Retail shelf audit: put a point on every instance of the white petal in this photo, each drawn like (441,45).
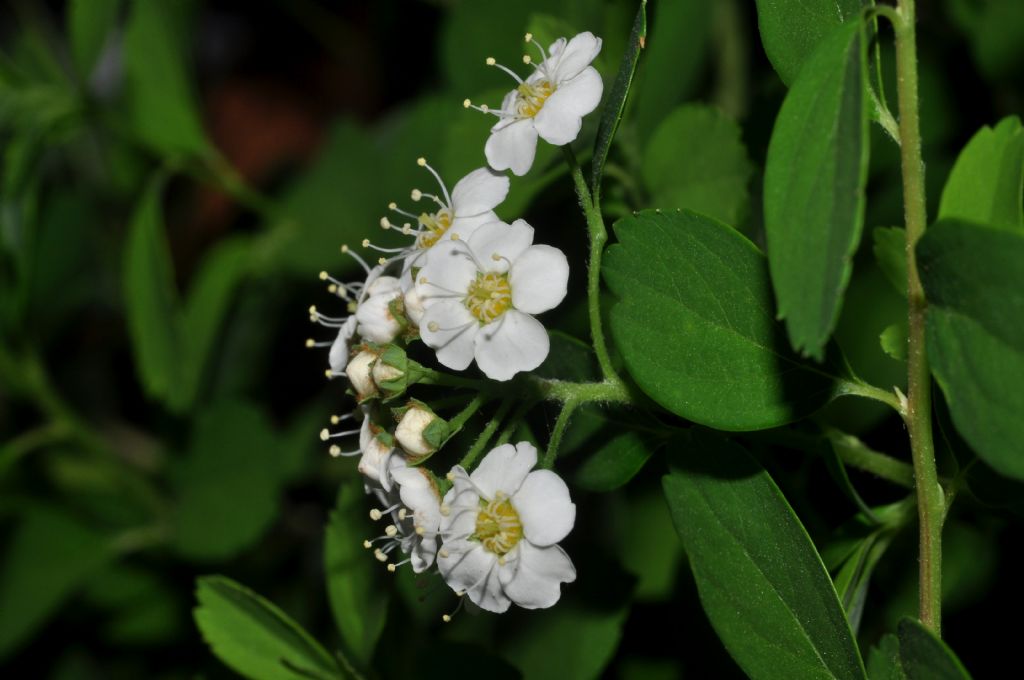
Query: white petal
(449,328)
(577,55)
(515,342)
(376,322)
(555,50)
(383,285)
(447,274)
(512,146)
(544,508)
(539,279)
(465,226)
(508,241)
(504,469)
(374,463)
(337,357)
(560,119)
(478,192)
(471,568)
(533,581)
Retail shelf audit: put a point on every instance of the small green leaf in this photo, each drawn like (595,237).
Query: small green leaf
(615,102)
(972,278)
(792,29)
(255,638)
(151,299)
(890,248)
(926,657)
(695,324)
(161,102)
(616,462)
(228,483)
(814,179)
(894,341)
(206,307)
(884,660)
(696,160)
(987,183)
(855,575)
(90,23)
(583,642)
(760,580)
(50,554)
(358,601)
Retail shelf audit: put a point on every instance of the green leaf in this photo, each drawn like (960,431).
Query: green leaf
(615,102)
(582,641)
(616,462)
(884,660)
(674,61)
(987,182)
(49,555)
(151,299)
(894,341)
(646,547)
(792,29)
(972,277)
(814,179)
(255,638)
(90,23)
(209,299)
(228,483)
(695,324)
(358,601)
(854,576)
(926,657)
(160,99)
(976,271)
(890,248)
(760,580)
(696,160)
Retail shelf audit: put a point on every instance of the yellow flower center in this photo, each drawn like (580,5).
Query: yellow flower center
(436,224)
(530,98)
(489,296)
(497,525)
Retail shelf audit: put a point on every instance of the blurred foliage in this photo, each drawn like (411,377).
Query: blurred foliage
(174,175)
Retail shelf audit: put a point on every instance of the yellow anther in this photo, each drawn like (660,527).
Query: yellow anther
(382,261)
(446,618)
(344,248)
(367,544)
(391,568)
(466,103)
(421,161)
(335,450)
(527,59)
(309,343)
(332,289)
(392,206)
(490,61)
(323,276)
(375,514)
(415,194)
(528,37)
(335,420)
(325,434)
(385,223)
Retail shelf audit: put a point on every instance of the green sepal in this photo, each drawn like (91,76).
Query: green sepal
(437,433)
(386,438)
(395,357)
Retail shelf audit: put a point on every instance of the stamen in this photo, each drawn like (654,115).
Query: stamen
(355,256)
(491,62)
(336,452)
(422,162)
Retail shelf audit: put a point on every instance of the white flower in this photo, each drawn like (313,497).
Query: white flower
(414,505)
(413,302)
(501,527)
(337,356)
(376,322)
(360,374)
(551,103)
(470,204)
(480,294)
(376,456)
(411,429)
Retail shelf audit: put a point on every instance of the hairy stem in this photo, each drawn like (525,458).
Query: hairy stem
(861,389)
(556,434)
(856,454)
(485,435)
(931,502)
(598,238)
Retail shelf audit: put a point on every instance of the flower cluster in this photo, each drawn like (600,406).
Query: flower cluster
(469,287)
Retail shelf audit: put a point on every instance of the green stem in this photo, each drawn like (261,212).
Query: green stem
(460,418)
(861,389)
(609,392)
(855,453)
(432,377)
(485,436)
(517,417)
(931,505)
(598,238)
(556,434)
(31,440)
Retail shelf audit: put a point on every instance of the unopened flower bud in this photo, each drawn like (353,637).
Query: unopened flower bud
(414,305)
(412,429)
(359,372)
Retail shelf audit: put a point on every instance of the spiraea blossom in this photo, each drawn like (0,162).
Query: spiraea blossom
(502,525)
(549,103)
(375,321)
(414,506)
(480,294)
(470,203)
